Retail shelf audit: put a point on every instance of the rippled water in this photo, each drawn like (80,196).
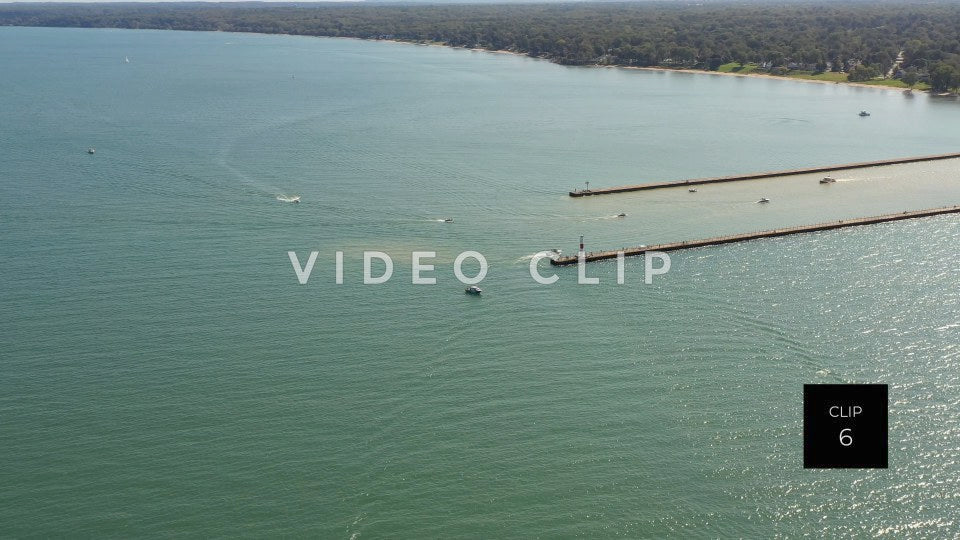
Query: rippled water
(163,372)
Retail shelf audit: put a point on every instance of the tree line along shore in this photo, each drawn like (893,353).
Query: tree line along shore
(890,44)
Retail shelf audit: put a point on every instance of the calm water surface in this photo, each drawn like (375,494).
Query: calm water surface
(164,373)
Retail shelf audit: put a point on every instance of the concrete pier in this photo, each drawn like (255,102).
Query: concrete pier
(756,176)
(689,244)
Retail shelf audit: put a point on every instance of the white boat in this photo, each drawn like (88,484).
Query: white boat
(126,59)
(474,290)
(864,113)
(827,180)
(692,190)
(448,220)
(621,214)
(91,150)
(763,200)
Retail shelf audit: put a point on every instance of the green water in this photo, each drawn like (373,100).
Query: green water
(165,374)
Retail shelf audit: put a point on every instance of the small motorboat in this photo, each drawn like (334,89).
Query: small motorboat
(474,290)
(621,214)
(692,190)
(126,59)
(91,150)
(295,199)
(448,220)
(864,113)
(763,200)
(828,180)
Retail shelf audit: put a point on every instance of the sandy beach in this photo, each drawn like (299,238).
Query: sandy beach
(765,76)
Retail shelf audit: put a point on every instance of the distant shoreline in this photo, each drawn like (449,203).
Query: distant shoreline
(652,68)
(694,71)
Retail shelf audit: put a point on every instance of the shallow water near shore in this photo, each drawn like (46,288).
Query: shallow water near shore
(164,372)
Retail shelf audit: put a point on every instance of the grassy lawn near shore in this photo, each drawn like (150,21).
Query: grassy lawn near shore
(734,67)
(831,76)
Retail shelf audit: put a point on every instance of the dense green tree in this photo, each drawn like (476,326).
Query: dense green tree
(943,77)
(910,77)
(862,73)
(837,64)
(741,55)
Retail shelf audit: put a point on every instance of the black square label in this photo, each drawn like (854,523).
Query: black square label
(844,426)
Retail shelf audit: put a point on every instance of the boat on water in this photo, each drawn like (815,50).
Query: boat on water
(864,113)
(91,150)
(621,214)
(448,220)
(126,59)
(763,200)
(474,290)
(692,190)
(828,180)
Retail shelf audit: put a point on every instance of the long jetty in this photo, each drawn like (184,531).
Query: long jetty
(733,238)
(757,176)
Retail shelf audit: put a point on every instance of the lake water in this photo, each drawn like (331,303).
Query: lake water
(164,372)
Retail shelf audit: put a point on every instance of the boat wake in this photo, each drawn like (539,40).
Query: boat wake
(549,253)
(288,198)
(864,179)
(600,218)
